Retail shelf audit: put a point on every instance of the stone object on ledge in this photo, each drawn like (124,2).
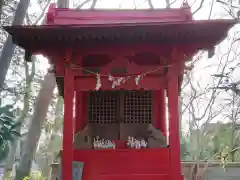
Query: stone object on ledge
(156,138)
(83,139)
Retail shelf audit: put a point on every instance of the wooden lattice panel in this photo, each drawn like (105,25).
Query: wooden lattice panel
(102,107)
(138,107)
(108,107)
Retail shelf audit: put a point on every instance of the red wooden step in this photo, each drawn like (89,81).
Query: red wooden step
(127,163)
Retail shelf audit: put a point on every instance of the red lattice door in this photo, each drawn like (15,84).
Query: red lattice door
(118,114)
(102,114)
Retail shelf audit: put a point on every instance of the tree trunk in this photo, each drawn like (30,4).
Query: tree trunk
(9,47)
(11,158)
(27,93)
(41,107)
(1,8)
(56,126)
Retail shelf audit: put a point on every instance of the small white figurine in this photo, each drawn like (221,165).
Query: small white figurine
(137,144)
(114,145)
(129,141)
(143,143)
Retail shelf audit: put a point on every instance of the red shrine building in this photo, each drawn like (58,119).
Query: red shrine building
(121,71)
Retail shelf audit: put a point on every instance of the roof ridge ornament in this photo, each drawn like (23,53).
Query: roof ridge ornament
(185,5)
(187,8)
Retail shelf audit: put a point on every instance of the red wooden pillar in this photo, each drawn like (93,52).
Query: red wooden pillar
(67,155)
(156,105)
(81,104)
(84,109)
(174,139)
(77,113)
(160,110)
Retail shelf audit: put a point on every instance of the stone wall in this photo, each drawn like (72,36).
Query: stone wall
(214,171)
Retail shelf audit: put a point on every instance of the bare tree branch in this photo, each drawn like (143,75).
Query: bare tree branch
(135,4)
(172,2)
(43,12)
(210,13)
(199,7)
(228,7)
(193,102)
(226,4)
(167,3)
(93,4)
(83,3)
(150,4)
(63,3)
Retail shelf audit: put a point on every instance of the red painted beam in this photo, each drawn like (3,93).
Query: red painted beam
(163,50)
(148,83)
(116,50)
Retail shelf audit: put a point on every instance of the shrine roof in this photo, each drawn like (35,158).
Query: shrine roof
(37,38)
